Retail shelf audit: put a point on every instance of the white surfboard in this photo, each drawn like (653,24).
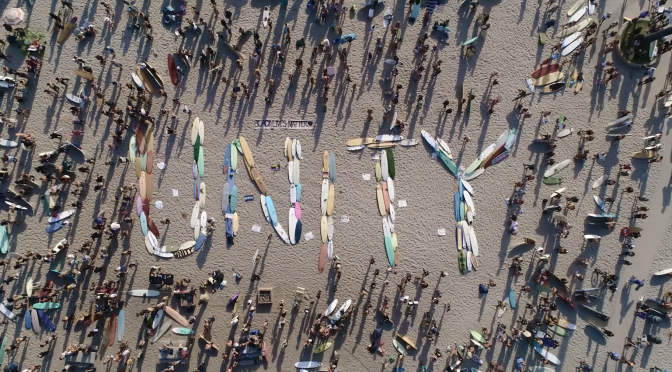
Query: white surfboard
(575,7)
(292,194)
(204,222)
(663,272)
(469,201)
(330,309)
(578,15)
(282,233)
(389,138)
(392,215)
(383,165)
(571,47)
(265,16)
(61,216)
(330,228)
(619,120)
(598,182)
(429,139)
(264,209)
(557,168)
(472,241)
(297,150)
(144,293)
(194,214)
(290,171)
(390,189)
(292,225)
(296,172)
(467,186)
(565,132)
(8,143)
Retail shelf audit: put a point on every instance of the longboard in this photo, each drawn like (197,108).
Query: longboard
(66,31)
(172,70)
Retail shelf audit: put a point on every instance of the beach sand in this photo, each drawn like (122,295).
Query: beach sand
(511,49)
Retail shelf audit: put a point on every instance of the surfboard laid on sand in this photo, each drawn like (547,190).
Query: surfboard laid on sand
(544,70)
(548,355)
(265,16)
(557,168)
(66,31)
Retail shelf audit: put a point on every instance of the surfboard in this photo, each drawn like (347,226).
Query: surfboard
(557,168)
(144,293)
(35,322)
(330,200)
(322,259)
(28,320)
(165,327)
(598,182)
(323,347)
(332,166)
(45,320)
(643,154)
(172,71)
(544,70)
(46,305)
(66,31)
(600,204)
(120,325)
(292,225)
(182,331)
(265,16)
(578,15)
(307,364)
(548,355)
(325,196)
(477,163)
(575,7)
(570,48)
(381,201)
(548,79)
(271,211)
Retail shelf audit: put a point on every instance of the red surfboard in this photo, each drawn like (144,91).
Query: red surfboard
(172,69)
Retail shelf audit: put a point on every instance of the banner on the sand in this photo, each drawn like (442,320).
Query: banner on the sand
(283,124)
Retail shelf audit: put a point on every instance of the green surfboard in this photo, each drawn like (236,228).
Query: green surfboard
(322,348)
(447,162)
(4,240)
(478,337)
(467,42)
(46,305)
(552,180)
(390,163)
(2,349)
(200,163)
(559,330)
(462,260)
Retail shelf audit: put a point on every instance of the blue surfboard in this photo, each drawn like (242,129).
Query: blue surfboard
(271,211)
(229,227)
(456,206)
(28,320)
(512,299)
(298,193)
(46,321)
(54,227)
(297,233)
(199,242)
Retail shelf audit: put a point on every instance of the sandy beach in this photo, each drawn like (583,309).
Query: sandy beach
(511,49)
